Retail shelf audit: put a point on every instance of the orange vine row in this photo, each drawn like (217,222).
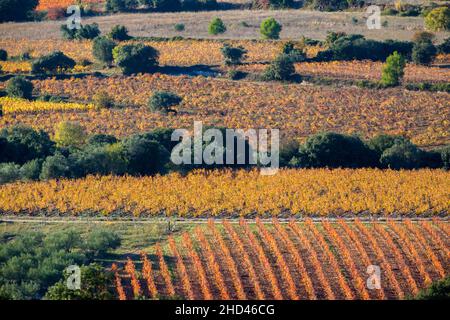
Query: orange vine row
(181,270)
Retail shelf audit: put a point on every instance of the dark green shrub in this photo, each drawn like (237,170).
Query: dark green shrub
(236,75)
(19,87)
(16,10)
(233,55)
(423,52)
(281,4)
(328,5)
(88,32)
(25,144)
(54,62)
(166,5)
(445,156)
(337,150)
(99,241)
(99,139)
(402,155)
(216,27)
(439,290)
(144,156)
(9,172)
(393,70)
(136,58)
(119,33)
(31,170)
(179,27)
(270,29)
(121,5)
(282,68)
(102,49)
(296,55)
(382,142)
(3,55)
(54,167)
(97,284)
(444,47)
(162,101)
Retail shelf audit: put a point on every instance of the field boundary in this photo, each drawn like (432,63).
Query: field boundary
(205,220)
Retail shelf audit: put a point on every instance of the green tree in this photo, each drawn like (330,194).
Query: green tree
(102,49)
(216,26)
(54,167)
(96,284)
(162,101)
(439,290)
(70,134)
(270,29)
(423,52)
(393,70)
(3,55)
(119,33)
(121,5)
(19,87)
(54,62)
(282,68)
(24,144)
(438,19)
(16,10)
(233,55)
(136,58)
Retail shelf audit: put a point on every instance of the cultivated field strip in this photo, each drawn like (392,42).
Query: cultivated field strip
(289,261)
(228,194)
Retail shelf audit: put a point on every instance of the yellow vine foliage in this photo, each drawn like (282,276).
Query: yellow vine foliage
(307,191)
(15,66)
(297,110)
(17,105)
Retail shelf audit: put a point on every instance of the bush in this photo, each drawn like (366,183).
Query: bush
(328,5)
(9,172)
(70,134)
(19,87)
(216,27)
(100,159)
(270,29)
(88,32)
(30,171)
(54,62)
(179,27)
(16,10)
(281,4)
(96,285)
(233,55)
(162,101)
(54,167)
(102,100)
(296,55)
(24,144)
(439,290)
(282,68)
(402,155)
(438,19)
(144,156)
(3,55)
(423,52)
(445,156)
(100,139)
(444,47)
(393,70)
(236,75)
(356,47)
(136,58)
(336,150)
(121,5)
(100,241)
(423,36)
(119,33)
(102,49)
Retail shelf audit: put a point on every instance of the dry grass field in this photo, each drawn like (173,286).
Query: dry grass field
(296,23)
